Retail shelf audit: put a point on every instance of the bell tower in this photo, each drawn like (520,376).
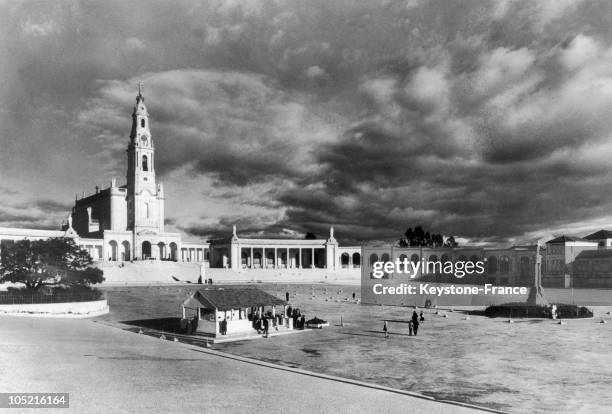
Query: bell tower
(144,196)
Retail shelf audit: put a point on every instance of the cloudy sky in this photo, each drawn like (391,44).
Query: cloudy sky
(489,120)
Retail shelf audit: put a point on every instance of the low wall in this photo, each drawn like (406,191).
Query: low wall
(344,276)
(146,272)
(57,310)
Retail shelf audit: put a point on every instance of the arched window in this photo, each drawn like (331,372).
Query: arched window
(415,258)
(385,258)
(148,210)
(146,250)
(373,259)
(356,260)
(344,259)
(145,164)
(142,123)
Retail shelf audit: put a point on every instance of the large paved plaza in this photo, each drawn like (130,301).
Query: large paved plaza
(108,370)
(527,366)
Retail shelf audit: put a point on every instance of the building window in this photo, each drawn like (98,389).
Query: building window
(492,265)
(145,164)
(504,264)
(142,123)
(385,258)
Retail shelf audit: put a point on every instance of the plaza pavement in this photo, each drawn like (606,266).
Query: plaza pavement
(106,369)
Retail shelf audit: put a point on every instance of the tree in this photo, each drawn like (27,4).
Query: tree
(53,262)
(310,236)
(450,242)
(421,238)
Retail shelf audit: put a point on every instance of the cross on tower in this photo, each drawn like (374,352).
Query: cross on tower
(140,87)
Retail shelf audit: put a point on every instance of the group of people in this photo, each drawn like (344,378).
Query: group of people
(413,324)
(263,323)
(299,320)
(208,281)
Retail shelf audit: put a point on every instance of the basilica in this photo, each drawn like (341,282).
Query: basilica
(127,221)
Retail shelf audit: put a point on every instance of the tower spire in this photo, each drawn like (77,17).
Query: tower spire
(140,88)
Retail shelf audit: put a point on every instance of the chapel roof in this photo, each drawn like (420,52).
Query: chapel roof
(226,298)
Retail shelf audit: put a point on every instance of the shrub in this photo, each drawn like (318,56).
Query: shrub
(522,310)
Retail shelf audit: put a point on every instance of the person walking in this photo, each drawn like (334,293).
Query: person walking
(287,296)
(421,317)
(385,330)
(410,327)
(415,322)
(266,326)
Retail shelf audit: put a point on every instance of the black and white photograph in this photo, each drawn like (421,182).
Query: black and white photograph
(306,206)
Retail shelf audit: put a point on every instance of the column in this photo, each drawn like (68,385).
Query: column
(300,257)
(287,261)
(264,259)
(275,258)
(251,266)
(312,260)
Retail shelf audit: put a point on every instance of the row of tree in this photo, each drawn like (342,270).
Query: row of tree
(421,238)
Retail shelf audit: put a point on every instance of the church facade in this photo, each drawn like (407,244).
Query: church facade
(124,222)
(129,219)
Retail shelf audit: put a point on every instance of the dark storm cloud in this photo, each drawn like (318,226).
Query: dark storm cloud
(53,206)
(488,120)
(17,217)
